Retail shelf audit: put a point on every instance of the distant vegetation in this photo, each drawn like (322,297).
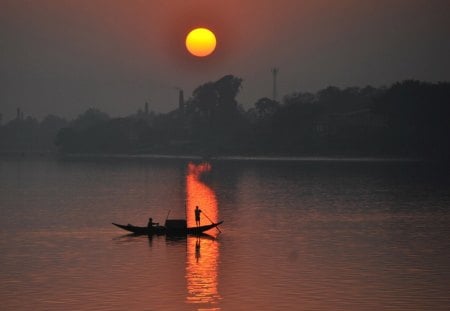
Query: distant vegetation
(409,118)
(28,135)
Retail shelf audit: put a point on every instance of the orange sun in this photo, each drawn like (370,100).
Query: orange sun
(201,42)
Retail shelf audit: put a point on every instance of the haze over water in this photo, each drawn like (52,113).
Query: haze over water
(298,235)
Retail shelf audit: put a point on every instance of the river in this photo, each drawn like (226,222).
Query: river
(298,234)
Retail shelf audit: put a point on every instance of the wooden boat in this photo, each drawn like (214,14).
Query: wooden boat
(201,229)
(142,230)
(171,227)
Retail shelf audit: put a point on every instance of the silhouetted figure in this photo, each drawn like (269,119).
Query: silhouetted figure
(197,216)
(150,223)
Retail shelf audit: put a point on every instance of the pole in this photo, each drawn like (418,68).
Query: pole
(211,221)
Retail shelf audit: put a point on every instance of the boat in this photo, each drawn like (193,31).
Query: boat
(201,229)
(159,230)
(172,227)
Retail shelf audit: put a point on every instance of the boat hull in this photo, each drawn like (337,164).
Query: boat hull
(160,230)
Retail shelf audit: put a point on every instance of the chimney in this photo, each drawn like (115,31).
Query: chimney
(274,73)
(181,100)
(146,108)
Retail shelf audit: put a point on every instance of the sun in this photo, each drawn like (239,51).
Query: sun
(201,42)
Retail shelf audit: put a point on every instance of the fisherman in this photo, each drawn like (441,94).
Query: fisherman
(197,216)
(150,223)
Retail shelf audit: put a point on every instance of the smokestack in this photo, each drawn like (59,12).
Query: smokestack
(181,100)
(146,108)
(274,74)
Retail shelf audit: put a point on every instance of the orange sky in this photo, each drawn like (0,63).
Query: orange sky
(63,56)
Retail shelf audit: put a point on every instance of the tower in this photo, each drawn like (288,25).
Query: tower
(274,75)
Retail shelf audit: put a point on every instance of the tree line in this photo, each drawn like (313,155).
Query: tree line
(28,135)
(409,118)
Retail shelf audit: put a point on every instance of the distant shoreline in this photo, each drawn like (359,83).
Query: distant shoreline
(242,158)
(260,158)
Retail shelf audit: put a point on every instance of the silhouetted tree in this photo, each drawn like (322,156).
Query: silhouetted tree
(409,118)
(81,135)
(214,114)
(89,118)
(265,108)
(48,128)
(418,115)
(294,123)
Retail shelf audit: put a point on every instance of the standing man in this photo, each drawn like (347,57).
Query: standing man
(197,216)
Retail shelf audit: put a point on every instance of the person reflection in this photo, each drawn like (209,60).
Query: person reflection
(197,249)
(202,272)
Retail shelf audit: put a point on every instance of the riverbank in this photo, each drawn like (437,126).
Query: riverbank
(262,158)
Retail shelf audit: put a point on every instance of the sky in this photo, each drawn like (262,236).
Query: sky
(63,56)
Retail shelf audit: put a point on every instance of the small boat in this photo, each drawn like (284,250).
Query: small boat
(171,227)
(201,229)
(159,230)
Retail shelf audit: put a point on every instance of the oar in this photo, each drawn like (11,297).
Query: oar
(217,227)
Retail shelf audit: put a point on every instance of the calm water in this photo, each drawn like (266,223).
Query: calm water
(298,235)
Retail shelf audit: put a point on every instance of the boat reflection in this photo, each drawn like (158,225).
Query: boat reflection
(202,259)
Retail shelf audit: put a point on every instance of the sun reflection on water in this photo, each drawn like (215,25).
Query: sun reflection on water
(202,252)
(199,194)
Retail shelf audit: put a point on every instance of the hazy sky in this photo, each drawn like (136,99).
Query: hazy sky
(64,56)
